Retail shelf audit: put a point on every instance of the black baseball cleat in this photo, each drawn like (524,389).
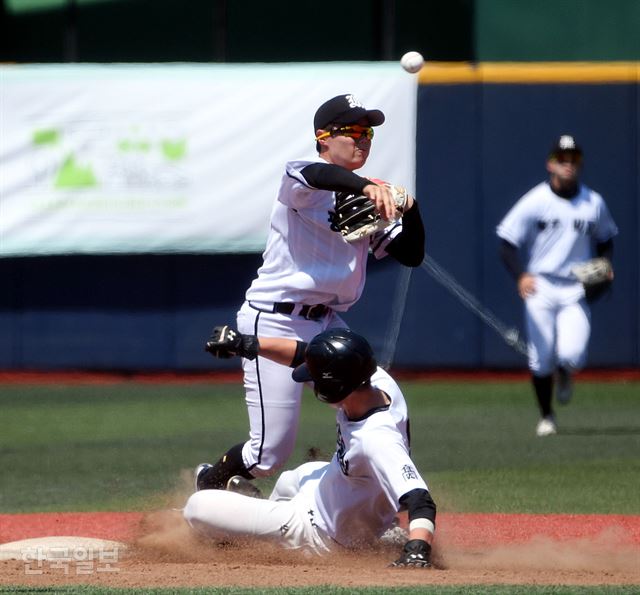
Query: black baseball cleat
(241,485)
(565,386)
(200,472)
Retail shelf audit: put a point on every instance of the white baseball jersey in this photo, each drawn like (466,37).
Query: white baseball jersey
(304,260)
(350,501)
(557,233)
(357,498)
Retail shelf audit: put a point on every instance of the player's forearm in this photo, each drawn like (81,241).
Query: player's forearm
(605,249)
(225,342)
(422,514)
(328,176)
(277,349)
(408,246)
(287,352)
(510,258)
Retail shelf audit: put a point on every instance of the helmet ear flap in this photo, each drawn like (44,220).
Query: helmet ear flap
(331,392)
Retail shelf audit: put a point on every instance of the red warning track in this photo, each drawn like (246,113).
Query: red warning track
(462,529)
(82,377)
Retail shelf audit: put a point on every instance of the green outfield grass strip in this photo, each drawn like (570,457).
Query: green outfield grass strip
(330,590)
(132,446)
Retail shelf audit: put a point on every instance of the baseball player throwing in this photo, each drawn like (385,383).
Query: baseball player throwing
(352,500)
(557,226)
(310,274)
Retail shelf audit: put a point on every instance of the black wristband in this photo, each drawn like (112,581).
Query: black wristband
(249,346)
(417,546)
(298,357)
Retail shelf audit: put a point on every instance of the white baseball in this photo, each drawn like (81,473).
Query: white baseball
(412,61)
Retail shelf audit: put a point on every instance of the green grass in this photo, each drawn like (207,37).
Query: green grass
(130,446)
(476,446)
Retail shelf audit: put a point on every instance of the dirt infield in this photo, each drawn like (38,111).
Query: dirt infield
(470,549)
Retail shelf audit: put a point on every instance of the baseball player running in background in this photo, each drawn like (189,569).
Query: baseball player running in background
(352,500)
(556,226)
(310,274)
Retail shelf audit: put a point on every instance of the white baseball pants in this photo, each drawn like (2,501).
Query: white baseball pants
(272,397)
(286,518)
(558,322)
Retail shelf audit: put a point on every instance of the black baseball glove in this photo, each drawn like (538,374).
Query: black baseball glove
(226,342)
(355,217)
(416,553)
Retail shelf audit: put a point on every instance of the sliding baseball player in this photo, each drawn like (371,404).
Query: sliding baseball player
(352,500)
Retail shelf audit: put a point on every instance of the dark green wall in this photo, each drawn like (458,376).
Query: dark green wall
(233,31)
(557,30)
(290,30)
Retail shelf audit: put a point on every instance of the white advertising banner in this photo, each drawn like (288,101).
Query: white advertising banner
(99,159)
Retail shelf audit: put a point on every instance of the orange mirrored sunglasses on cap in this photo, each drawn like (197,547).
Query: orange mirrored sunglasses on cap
(353,131)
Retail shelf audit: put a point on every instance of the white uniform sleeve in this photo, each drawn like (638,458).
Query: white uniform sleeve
(380,240)
(391,464)
(605,225)
(295,191)
(519,222)
(513,228)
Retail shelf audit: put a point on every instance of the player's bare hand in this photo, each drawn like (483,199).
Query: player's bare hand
(380,195)
(526,285)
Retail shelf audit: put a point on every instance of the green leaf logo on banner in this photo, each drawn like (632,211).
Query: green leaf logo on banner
(47,136)
(174,150)
(72,175)
(126,146)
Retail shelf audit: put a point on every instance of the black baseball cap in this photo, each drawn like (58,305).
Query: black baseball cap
(345,109)
(565,143)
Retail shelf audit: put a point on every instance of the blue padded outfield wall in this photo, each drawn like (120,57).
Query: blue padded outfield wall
(480,147)
(482,139)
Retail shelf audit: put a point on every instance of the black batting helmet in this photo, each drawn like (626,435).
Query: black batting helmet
(337,361)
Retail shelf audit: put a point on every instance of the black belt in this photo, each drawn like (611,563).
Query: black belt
(314,312)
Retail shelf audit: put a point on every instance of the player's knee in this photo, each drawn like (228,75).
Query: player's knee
(286,487)
(290,482)
(207,513)
(541,361)
(573,361)
(542,369)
